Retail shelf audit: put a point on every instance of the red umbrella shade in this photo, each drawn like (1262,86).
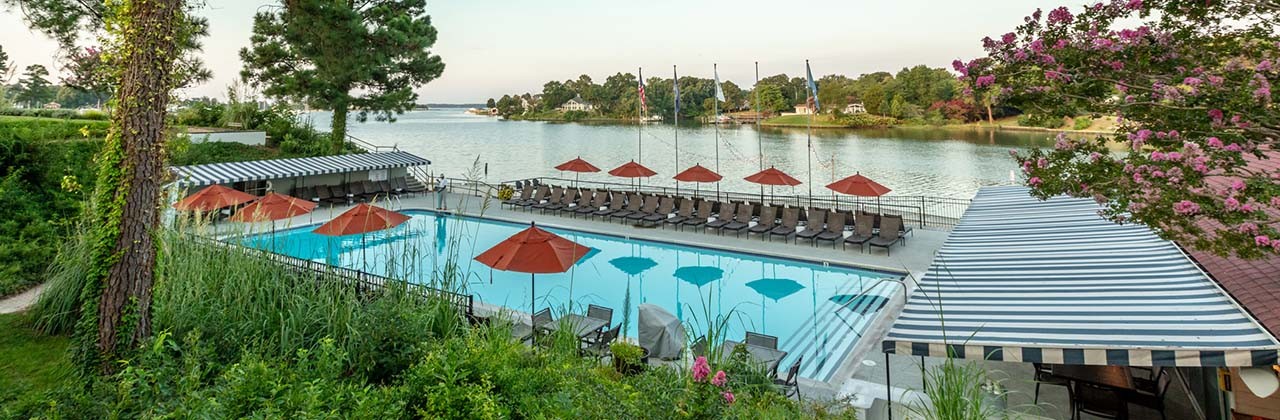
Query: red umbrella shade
(577,165)
(858,185)
(212,198)
(632,170)
(273,207)
(697,173)
(360,219)
(534,250)
(773,176)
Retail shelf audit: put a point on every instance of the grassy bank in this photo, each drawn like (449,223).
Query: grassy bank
(31,364)
(831,121)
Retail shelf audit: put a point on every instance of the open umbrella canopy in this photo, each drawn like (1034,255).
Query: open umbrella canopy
(699,275)
(577,165)
(361,219)
(632,170)
(775,289)
(632,265)
(697,173)
(773,176)
(273,206)
(858,185)
(534,250)
(861,304)
(212,198)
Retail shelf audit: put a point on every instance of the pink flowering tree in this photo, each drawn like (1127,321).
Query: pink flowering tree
(1191,84)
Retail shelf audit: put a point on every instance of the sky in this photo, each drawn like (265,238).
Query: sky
(495,47)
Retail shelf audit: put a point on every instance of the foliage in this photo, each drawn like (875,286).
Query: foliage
(30,364)
(575,115)
(1191,83)
(34,88)
(627,352)
(1082,123)
(771,100)
(368,56)
(44,129)
(1042,121)
(6,67)
(54,113)
(956,392)
(87,71)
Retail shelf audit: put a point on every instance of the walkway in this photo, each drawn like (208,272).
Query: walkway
(21,301)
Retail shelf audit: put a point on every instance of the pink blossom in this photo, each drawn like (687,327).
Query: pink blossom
(984,81)
(1134,5)
(728,397)
(1237,185)
(1174,156)
(1157,174)
(1192,81)
(1216,115)
(1116,65)
(719,379)
(1214,142)
(1060,15)
(1042,162)
(1036,15)
(1102,43)
(1095,156)
(1037,46)
(1233,148)
(1275,201)
(960,67)
(1215,80)
(701,369)
(1262,240)
(1157,156)
(1008,38)
(1248,208)
(1062,43)
(1247,228)
(1263,93)
(1020,55)
(1264,65)
(1034,181)
(1231,203)
(1186,208)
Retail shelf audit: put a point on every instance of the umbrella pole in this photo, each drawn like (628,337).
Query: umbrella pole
(532,297)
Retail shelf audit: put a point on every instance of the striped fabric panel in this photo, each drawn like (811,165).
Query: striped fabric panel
(1021,279)
(231,172)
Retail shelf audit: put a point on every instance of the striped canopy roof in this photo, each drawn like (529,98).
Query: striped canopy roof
(1025,280)
(226,173)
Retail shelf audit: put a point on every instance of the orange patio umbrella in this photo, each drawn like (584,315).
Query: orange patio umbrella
(533,251)
(273,206)
(860,186)
(698,173)
(212,198)
(361,219)
(632,170)
(772,177)
(577,166)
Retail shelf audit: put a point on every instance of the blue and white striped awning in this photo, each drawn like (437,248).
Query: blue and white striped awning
(1025,280)
(258,170)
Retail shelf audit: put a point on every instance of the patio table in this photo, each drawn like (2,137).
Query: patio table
(1116,377)
(766,356)
(579,325)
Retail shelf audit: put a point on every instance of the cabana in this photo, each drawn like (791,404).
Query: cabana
(285,175)
(1050,282)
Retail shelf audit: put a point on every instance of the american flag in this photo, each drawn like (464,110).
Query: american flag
(643,100)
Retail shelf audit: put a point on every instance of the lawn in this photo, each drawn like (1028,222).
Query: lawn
(30,363)
(803,120)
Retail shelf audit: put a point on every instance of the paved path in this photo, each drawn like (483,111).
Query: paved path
(22,301)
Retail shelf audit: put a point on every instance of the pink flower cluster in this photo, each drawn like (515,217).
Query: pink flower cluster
(984,81)
(1061,16)
(1186,208)
(701,369)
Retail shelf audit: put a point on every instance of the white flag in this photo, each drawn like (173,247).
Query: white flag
(719,92)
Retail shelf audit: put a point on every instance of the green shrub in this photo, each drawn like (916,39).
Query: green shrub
(55,113)
(867,121)
(1082,123)
(1041,120)
(575,115)
(42,129)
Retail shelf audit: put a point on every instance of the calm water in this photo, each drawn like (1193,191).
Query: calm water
(816,310)
(911,161)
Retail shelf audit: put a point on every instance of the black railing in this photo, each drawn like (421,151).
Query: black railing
(370,147)
(923,211)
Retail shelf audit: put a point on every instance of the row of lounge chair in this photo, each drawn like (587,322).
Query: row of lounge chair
(768,221)
(357,191)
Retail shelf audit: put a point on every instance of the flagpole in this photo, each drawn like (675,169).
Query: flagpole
(639,118)
(759,144)
(675,85)
(809,135)
(715,119)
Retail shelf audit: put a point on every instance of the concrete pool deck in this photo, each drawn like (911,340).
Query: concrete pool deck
(911,259)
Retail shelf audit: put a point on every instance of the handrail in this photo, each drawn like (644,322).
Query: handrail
(370,147)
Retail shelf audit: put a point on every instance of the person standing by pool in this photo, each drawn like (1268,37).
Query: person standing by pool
(441,185)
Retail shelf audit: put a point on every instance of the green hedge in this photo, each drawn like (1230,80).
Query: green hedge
(43,128)
(55,113)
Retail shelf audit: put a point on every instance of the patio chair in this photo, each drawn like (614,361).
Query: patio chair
(1044,376)
(768,219)
(863,231)
(369,190)
(791,384)
(522,332)
(597,201)
(557,194)
(338,195)
(650,206)
(724,217)
(813,225)
(1150,393)
(903,229)
(699,219)
(741,221)
(1099,402)
(585,197)
(387,189)
(599,348)
(525,195)
(634,202)
(309,194)
(539,195)
(888,236)
(600,313)
(616,203)
(835,229)
(762,340)
(566,200)
(699,347)
(541,320)
(790,218)
(665,207)
(399,185)
(684,213)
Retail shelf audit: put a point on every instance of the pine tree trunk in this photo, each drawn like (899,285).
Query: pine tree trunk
(128,202)
(338,128)
(989,119)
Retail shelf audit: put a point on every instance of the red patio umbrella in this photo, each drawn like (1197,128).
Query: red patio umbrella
(533,251)
(632,170)
(273,206)
(361,219)
(578,166)
(860,186)
(772,177)
(699,174)
(212,198)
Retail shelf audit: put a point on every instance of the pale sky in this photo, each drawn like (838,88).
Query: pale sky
(496,47)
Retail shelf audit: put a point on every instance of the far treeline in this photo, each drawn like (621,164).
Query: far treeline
(920,94)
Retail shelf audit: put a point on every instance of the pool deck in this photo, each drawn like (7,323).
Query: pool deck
(912,259)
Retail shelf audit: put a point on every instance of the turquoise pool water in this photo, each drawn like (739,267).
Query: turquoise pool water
(816,310)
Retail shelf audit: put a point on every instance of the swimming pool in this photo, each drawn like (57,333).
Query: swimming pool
(819,311)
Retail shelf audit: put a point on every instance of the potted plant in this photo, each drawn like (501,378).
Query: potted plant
(628,359)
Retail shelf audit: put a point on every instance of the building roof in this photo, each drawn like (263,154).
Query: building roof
(258,170)
(578,99)
(1021,279)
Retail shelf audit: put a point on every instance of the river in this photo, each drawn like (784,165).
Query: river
(910,161)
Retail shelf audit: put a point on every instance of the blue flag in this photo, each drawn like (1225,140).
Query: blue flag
(813,87)
(675,82)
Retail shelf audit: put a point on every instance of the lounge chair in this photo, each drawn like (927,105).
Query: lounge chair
(650,206)
(387,189)
(813,226)
(835,229)
(597,201)
(557,194)
(399,185)
(570,195)
(762,340)
(791,384)
(903,230)
(538,195)
(724,217)
(616,203)
(699,219)
(684,213)
(889,235)
(768,219)
(665,207)
(309,194)
(740,222)
(525,195)
(790,218)
(863,231)
(634,202)
(338,195)
(372,190)
(584,201)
